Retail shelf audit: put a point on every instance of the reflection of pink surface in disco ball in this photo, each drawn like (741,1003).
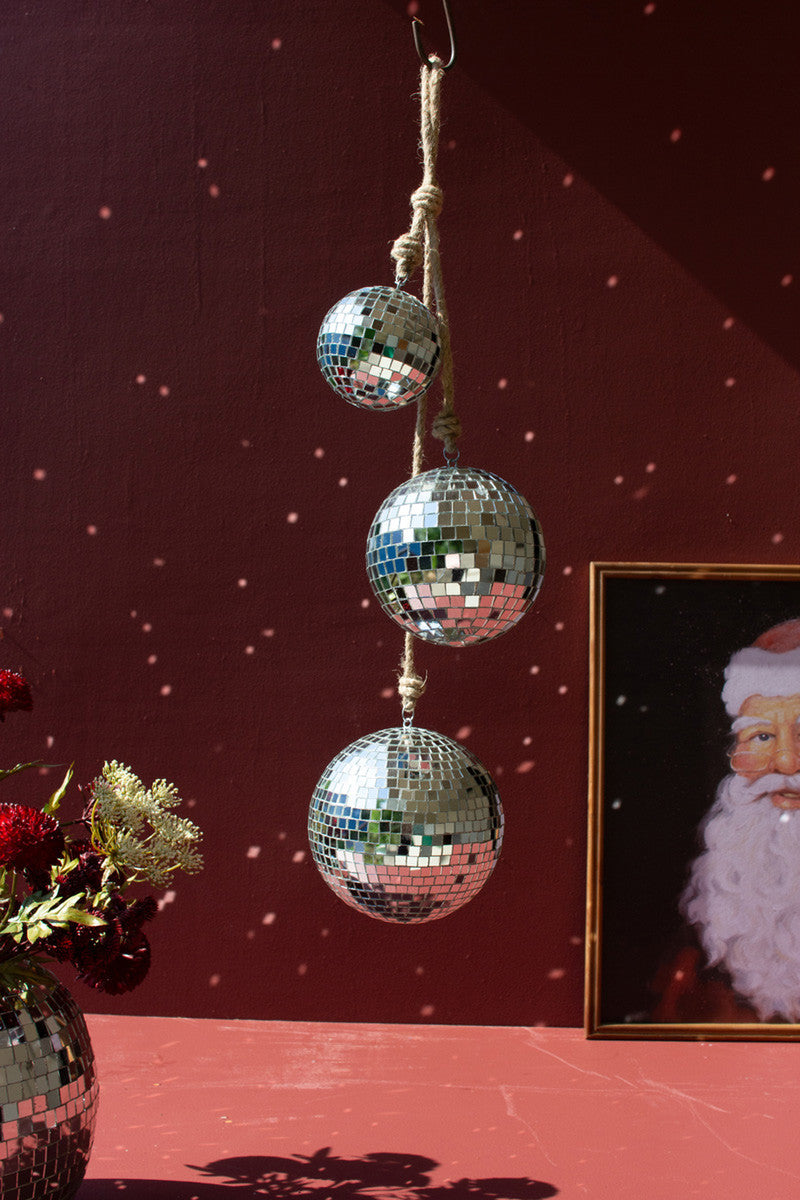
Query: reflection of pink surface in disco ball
(455,555)
(379,348)
(405,825)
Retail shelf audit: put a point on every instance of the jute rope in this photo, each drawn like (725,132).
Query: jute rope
(421,245)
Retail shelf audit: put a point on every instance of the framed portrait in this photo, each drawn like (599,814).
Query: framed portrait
(693,907)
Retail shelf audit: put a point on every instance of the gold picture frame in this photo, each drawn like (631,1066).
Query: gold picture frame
(665,638)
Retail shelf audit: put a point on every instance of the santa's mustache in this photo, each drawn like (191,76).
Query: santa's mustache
(756,789)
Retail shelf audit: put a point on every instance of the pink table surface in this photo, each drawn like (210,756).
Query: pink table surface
(214,1109)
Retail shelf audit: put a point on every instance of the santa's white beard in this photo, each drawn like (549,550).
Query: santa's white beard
(743,893)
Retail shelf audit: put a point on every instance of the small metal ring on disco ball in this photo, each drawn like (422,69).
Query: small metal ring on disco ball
(379,348)
(405,825)
(455,555)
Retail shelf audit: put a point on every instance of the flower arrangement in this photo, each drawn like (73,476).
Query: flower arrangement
(63,885)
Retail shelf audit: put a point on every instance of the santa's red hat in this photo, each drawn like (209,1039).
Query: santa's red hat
(770,667)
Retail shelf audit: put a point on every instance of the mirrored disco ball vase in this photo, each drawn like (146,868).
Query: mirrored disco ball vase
(455,556)
(405,825)
(379,348)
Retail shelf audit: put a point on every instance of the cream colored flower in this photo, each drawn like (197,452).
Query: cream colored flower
(137,830)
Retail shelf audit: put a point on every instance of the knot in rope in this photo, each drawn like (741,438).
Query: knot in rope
(428,200)
(408,252)
(446,427)
(410,687)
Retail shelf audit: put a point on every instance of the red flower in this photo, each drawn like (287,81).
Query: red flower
(29,840)
(15,693)
(114,957)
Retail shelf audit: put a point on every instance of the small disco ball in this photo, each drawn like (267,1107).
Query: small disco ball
(405,825)
(379,348)
(455,556)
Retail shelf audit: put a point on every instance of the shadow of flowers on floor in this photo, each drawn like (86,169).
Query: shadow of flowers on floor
(372,1177)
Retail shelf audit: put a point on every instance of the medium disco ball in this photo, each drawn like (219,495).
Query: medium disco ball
(405,825)
(379,348)
(455,555)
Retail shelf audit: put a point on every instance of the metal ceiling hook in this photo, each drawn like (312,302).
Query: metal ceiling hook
(423,57)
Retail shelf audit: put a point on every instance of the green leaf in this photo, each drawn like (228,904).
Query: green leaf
(55,800)
(20,767)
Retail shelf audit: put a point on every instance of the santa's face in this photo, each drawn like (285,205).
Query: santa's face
(768,744)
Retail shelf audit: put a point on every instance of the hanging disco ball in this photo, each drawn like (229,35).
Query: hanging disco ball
(405,825)
(379,348)
(455,556)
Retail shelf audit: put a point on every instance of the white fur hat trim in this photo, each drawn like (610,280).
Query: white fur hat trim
(756,672)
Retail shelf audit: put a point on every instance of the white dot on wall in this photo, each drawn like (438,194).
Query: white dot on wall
(276,43)
(787,280)
(253,851)
(559,625)
(524,767)
(651,466)
(268,918)
(343,481)
(214,980)
(616,804)
(728,323)
(463,733)
(202,163)
(319,452)
(562,691)
(105,212)
(612,281)
(152,659)
(365,603)
(166,689)
(502,384)
(268,633)
(649,9)
(730,382)
(556,973)
(427,1010)
(249,649)
(732,479)
(159,562)
(567,571)
(302,969)
(621,700)
(675,136)
(535,670)
(213,191)
(50,741)
(387,693)
(518,235)
(140,379)
(527,741)
(618,479)
(163,390)
(777,538)
(167,898)
(40,474)
(245,443)
(8,613)
(568,179)
(767,174)
(292,518)
(299,856)
(147,627)
(242,583)
(91,530)
(530,435)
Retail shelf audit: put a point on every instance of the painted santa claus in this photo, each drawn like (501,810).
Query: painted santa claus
(742,900)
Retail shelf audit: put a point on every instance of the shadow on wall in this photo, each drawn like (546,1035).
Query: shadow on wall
(321,1174)
(684,116)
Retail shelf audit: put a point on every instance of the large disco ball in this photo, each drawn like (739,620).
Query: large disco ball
(379,348)
(455,555)
(405,825)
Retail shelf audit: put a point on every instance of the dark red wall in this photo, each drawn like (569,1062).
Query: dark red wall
(187,187)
